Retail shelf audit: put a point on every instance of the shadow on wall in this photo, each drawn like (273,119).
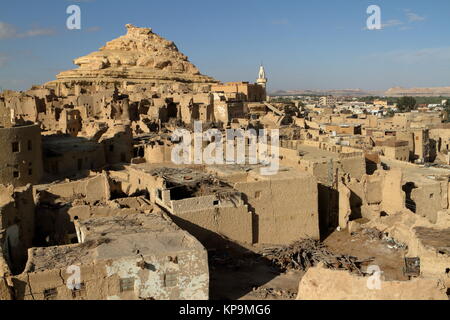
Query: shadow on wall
(409,202)
(54,226)
(355,204)
(255,219)
(328,210)
(232,273)
(371,167)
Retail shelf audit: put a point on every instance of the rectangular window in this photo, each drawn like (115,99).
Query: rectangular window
(159,194)
(30,145)
(30,172)
(15,147)
(126,284)
(16,174)
(170,280)
(257,194)
(50,294)
(79,292)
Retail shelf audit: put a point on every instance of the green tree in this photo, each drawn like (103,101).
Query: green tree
(390,113)
(406,104)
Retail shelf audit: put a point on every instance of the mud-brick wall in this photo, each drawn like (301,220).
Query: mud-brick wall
(17,219)
(101,280)
(204,203)
(355,166)
(234,223)
(285,210)
(95,188)
(21,160)
(430,199)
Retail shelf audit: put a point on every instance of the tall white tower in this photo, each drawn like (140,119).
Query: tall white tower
(262,80)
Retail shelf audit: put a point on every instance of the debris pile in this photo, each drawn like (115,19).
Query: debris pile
(266,293)
(308,253)
(374,234)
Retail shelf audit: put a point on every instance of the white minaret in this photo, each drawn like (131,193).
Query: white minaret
(262,80)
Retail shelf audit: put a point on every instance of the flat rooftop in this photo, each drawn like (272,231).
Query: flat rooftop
(53,145)
(114,237)
(315,154)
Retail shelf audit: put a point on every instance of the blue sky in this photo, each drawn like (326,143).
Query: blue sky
(303,44)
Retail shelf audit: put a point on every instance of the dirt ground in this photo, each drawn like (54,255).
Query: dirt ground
(245,275)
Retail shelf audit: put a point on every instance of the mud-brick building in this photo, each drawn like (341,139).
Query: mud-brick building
(127,257)
(21,160)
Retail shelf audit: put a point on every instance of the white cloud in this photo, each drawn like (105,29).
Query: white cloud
(413,17)
(8,31)
(391,23)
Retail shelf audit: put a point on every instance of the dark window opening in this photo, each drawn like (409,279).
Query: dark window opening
(170,280)
(126,284)
(79,292)
(16,174)
(50,294)
(216,202)
(172,110)
(181,192)
(30,146)
(159,194)
(15,147)
(409,202)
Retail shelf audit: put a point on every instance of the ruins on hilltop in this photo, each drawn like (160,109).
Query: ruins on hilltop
(139,57)
(88,182)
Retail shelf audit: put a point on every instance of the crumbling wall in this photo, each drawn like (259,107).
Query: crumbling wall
(234,223)
(320,283)
(157,153)
(285,209)
(345,209)
(5,290)
(393,196)
(118,144)
(16,225)
(425,240)
(101,280)
(430,199)
(134,257)
(21,160)
(354,166)
(91,189)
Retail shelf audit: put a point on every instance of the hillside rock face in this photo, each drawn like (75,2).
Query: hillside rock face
(418,92)
(140,56)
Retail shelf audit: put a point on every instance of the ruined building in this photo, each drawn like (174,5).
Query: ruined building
(93,206)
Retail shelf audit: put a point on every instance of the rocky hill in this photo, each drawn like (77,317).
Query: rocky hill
(139,56)
(418,92)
